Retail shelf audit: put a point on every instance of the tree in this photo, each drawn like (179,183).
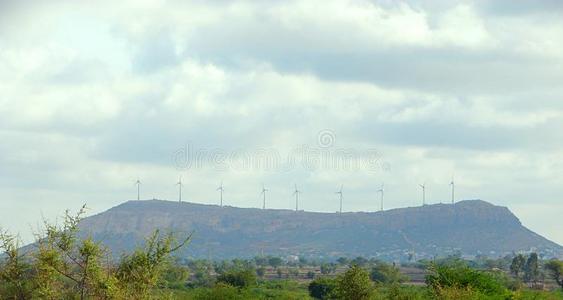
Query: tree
(202,274)
(359,261)
(260,261)
(63,260)
(322,288)
(531,269)
(66,265)
(176,275)
(343,261)
(328,268)
(555,268)
(138,273)
(275,262)
(14,270)
(261,271)
(517,265)
(311,275)
(238,278)
(443,277)
(354,284)
(385,273)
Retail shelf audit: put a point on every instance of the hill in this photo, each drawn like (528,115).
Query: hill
(470,227)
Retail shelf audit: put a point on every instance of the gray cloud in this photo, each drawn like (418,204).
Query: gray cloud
(435,87)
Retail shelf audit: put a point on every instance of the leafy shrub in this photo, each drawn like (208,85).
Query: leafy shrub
(220,291)
(310,275)
(322,288)
(461,279)
(238,278)
(328,268)
(354,284)
(175,276)
(399,292)
(261,271)
(385,273)
(555,269)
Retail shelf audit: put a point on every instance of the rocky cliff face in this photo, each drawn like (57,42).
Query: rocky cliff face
(468,226)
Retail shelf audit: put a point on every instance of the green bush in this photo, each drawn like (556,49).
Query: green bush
(462,279)
(385,273)
(354,284)
(238,278)
(322,288)
(400,292)
(261,271)
(311,275)
(220,291)
(555,270)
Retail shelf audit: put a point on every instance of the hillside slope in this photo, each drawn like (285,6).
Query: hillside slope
(471,227)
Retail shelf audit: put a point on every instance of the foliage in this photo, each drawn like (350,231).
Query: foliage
(238,278)
(138,273)
(354,284)
(15,270)
(220,291)
(359,261)
(311,275)
(202,274)
(531,269)
(175,275)
(261,271)
(400,292)
(328,268)
(461,279)
(66,266)
(275,261)
(555,269)
(322,288)
(343,261)
(386,273)
(517,265)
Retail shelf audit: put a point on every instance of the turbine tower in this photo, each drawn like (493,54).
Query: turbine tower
(138,183)
(423,186)
(179,184)
(453,190)
(340,193)
(296,193)
(264,190)
(382,191)
(221,189)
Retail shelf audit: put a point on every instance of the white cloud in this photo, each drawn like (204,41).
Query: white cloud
(92,98)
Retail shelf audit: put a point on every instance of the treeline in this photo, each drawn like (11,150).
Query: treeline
(446,279)
(61,265)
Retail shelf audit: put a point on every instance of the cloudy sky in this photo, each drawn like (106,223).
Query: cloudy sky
(313,93)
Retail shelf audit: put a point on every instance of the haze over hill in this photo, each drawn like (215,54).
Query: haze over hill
(471,227)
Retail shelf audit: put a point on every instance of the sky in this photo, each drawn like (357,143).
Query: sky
(316,94)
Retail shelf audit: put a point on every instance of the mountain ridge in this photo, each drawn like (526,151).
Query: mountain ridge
(470,227)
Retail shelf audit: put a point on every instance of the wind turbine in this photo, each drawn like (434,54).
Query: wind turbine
(221,189)
(382,191)
(423,186)
(264,190)
(453,189)
(296,193)
(179,184)
(138,183)
(340,193)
